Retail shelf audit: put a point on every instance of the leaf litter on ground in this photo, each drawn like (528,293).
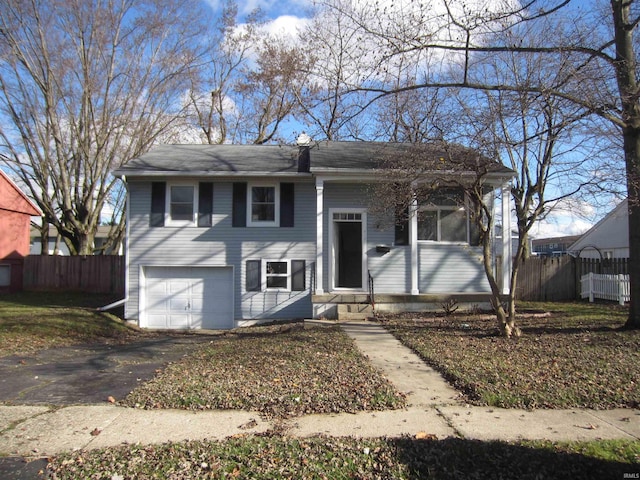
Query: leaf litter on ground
(277,457)
(278,371)
(574,356)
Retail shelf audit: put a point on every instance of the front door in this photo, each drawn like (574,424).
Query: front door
(347,250)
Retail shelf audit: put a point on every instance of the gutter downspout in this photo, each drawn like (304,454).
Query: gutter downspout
(113,305)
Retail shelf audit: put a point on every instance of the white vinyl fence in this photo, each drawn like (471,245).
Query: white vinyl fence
(606,287)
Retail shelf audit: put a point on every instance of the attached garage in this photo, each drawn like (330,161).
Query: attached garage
(187,298)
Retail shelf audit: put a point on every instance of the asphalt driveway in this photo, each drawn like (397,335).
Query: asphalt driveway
(90,373)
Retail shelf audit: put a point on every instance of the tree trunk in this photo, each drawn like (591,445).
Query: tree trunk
(632,156)
(44,238)
(626,67)
(506,319)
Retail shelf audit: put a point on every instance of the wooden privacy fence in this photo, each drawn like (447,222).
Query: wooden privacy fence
(539,278)
(606,287)
(609,266)
(91,274)
(559,278)
(547,279)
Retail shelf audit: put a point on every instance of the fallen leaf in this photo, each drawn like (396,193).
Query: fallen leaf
(425,436)
(250,424)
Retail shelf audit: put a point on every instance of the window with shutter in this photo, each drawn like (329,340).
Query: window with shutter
(275,275)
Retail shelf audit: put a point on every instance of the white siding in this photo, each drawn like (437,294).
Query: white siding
(610,236)
(391,271)
(446,268)
(224,245)
(443,268)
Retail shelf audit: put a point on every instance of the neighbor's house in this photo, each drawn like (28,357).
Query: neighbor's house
(609,238)
(56,245)
(16,210)
(220,236)
(553,246)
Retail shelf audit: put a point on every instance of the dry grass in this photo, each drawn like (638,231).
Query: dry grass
(35,321)
(280,374)
(576,356)
(273,457)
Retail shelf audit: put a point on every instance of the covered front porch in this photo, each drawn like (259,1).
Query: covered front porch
(350,306)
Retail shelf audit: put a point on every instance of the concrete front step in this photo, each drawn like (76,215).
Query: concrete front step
(354,311)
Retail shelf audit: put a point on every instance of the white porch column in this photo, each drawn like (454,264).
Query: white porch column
(319,234)
(413,242)
(507,254)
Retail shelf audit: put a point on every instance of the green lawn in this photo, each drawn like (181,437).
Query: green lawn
(34,321)
(576,356)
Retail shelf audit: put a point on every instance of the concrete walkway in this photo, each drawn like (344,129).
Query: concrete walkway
(434,408)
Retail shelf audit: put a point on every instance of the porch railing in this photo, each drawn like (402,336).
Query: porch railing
(606,287)
(372,300)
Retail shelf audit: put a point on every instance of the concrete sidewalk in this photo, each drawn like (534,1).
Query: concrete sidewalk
(434,408)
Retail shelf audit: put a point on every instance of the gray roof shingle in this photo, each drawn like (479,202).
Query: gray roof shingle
(338,157)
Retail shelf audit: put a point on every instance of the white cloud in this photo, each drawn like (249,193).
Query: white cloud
(286,26)
(560,226)
(567,217)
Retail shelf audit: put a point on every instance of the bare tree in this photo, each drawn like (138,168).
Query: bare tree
(335,59)
(596,44)
(212,107)
(84,87)
(249,83)
(267,90)
(442,173)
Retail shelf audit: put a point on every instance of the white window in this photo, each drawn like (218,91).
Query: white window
(277,275)
(182,204)
(263,205)
(5,275)
(442,217)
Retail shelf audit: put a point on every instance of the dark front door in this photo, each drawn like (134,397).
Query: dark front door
(348,254)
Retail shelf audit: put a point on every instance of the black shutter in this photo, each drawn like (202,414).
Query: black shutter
(253,281)
(297,275)
(205,204)
(286,204)
(158,196)
(402,228)
(239,215)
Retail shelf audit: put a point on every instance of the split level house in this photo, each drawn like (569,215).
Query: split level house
(220,236)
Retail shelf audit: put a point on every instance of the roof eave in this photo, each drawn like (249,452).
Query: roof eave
(203,173)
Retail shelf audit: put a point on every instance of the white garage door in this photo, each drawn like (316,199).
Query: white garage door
(188,297)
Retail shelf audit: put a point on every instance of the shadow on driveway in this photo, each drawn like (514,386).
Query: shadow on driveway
(89,373)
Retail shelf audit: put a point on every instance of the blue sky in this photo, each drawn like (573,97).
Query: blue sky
(271,8)
(569,218)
